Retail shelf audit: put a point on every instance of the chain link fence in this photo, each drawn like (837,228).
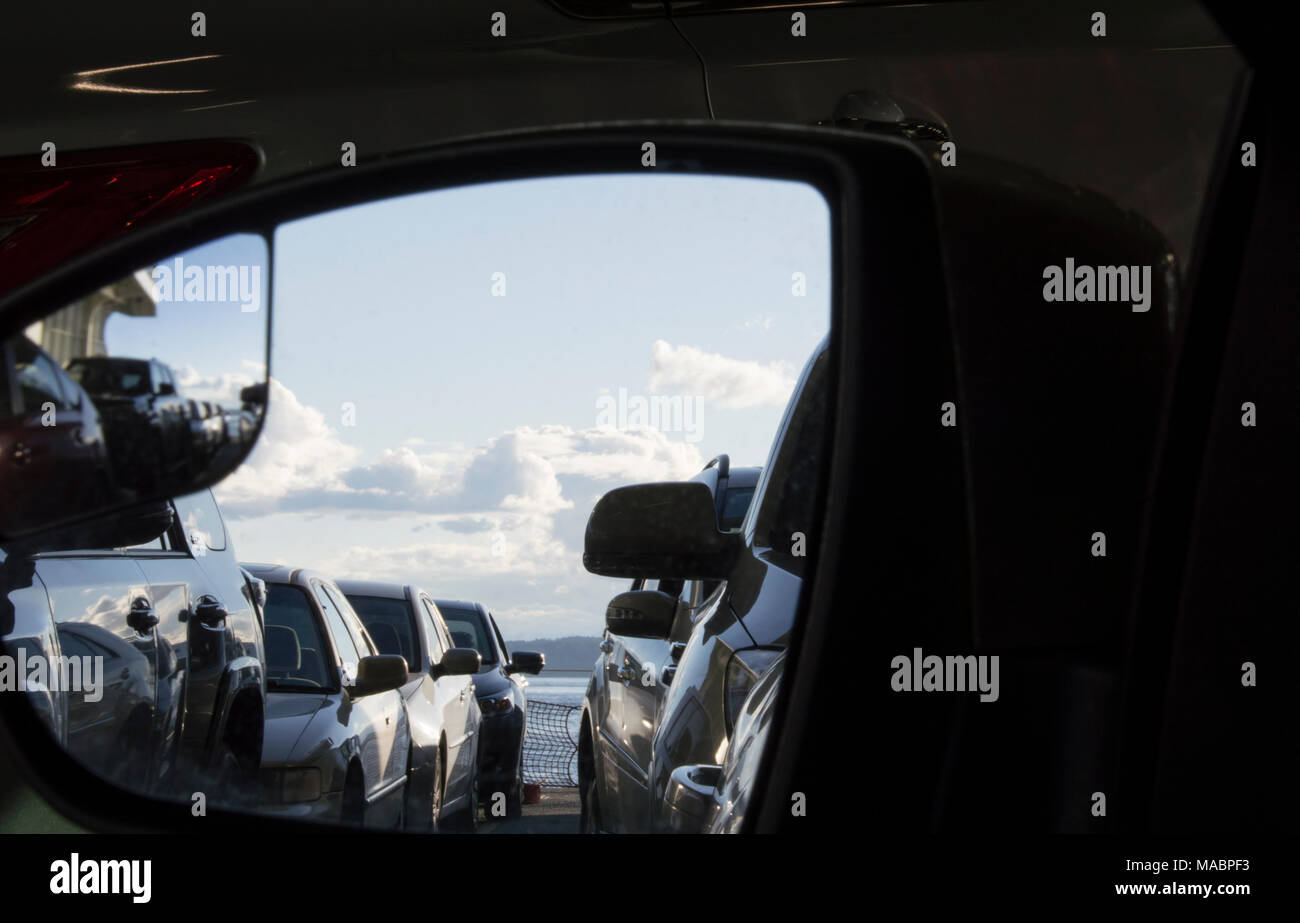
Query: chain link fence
(551,744)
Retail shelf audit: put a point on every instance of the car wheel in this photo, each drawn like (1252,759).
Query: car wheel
(354,799)
(589,793)
(515,796)
(467,818)
(423,808)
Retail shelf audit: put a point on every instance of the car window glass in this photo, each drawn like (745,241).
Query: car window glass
(467,630)
(360,637)
(434,630)
(6,395)
(297,656)
(389,624)
(786,520)
(347,648)
(201,520)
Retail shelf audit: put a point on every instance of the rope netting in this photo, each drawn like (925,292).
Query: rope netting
(551,744)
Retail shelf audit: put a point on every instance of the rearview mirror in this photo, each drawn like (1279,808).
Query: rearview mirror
(459,661)
(379,673)
(98,397)
(661,531)
(526,662)
(641,614)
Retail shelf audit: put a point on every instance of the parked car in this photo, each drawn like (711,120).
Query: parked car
(183,692)
(500,689)
(337,746)
(624,698)
(50,433)
(442,711)
(735,634)
(148,423)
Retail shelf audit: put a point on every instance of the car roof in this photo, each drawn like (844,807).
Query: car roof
(378,588)
(459,604)
(283,573)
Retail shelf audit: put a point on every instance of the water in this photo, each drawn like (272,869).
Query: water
(559,688)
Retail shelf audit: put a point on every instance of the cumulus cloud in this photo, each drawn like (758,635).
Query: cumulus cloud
(301,463)
(732,384)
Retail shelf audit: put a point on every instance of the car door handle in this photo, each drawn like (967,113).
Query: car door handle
(209,611)
(142,616)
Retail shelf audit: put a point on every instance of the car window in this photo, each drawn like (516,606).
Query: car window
(201,520)
(389,623)
(360,637)
(734,505)
(347,648)
(786,520)
(297,655)
(6,394)
(433,628)
(467,630)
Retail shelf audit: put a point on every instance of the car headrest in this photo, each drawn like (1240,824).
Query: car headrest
(283,652)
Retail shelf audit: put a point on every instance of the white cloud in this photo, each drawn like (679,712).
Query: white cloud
(732,384)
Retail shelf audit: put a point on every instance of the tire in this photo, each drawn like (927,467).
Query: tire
(354,800)
(589,794)
(422,810)
(467,818)
(515,794)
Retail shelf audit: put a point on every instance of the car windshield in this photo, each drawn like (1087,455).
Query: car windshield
(467,630)
(390,624)
(296,653)
(734,506)
(117,377)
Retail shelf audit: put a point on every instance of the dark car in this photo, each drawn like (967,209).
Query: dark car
(736,634)
(502,701)
(625,695)
(441,708)
(50,433)
(337,746)
(148,423)
(717,798)
(172,630)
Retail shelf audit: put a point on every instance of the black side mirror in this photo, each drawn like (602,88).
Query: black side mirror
(526,662)
(662,530)
(379,673)
(166,388)
(641,614)
(459,661)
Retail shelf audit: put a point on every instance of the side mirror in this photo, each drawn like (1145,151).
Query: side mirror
(662,530)
(166,388)
(641,614)
(689,799)
(526,662)
(379,673)
(459,661)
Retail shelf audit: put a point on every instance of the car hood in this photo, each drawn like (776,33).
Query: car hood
(287,716)
(491,682)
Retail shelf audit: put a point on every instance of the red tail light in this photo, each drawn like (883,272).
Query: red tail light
(48,214)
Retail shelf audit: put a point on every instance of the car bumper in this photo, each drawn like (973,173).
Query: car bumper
(500,739)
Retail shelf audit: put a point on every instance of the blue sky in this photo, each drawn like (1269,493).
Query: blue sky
(425,430)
